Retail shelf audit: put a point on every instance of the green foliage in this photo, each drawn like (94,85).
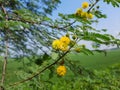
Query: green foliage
(78,75)
(26,30)
(114,3)
(24,26)
(28,25)
(77,78)
(36,6)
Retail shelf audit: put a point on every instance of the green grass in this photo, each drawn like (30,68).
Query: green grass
(12,67)
(97,61)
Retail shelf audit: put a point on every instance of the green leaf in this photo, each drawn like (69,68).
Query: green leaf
(54,55)
(115,3)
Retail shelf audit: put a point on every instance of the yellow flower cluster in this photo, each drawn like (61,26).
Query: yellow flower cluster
(80,12)
(85,5)
(61,70)
(61,44)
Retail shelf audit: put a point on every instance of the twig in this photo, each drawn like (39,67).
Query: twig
(5,63)
(6,53)
(93,5)
(36,74)
(41,23)
(39,72)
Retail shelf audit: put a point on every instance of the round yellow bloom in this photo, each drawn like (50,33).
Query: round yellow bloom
(90,15)
(65,40)
(61,70)
(79,11)
(85,5)
(56,44)
(84,14)
(63,47)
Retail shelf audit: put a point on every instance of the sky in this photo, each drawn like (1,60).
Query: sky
(111,23)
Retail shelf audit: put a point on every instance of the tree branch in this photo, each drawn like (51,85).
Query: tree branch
(93,5)
(41,23)
(36,74)
(6,52)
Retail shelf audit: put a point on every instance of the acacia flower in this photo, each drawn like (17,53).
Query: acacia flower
(63,46)
(84,14)
(90,15)
(85,5)
(61,70)
(56,44)
(79,11)
(65,40)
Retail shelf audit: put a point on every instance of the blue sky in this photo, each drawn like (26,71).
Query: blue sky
(112,23)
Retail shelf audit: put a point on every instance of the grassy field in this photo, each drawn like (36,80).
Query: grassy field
(12,67)
(98,61)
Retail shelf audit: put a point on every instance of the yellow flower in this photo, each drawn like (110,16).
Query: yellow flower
(79,11)
(85,5)
(90,15)
(65,40)
(84,14)
(61,70)
(63,46)
(56,44)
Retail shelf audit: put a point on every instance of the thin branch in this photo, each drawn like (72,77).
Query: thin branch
(6,52)
(5,63)
(5,12)
(36,74)
(45,24)
(93,5)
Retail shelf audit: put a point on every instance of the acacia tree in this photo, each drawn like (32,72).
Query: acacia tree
(26,29)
